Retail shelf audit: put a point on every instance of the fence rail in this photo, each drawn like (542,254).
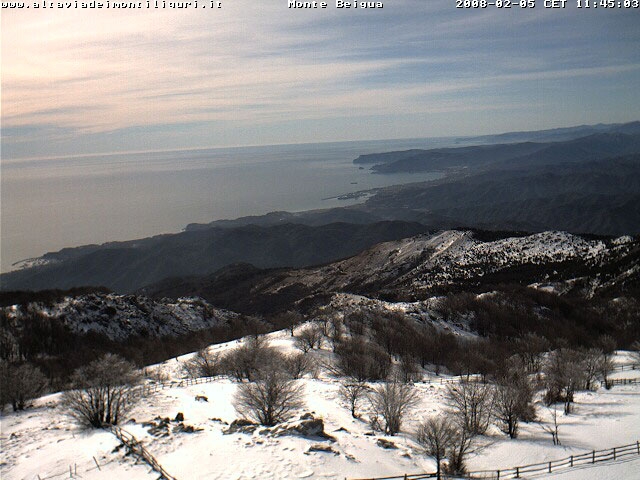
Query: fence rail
(593,457)
(157,386)
(626,366)
(137,449)
(622,381)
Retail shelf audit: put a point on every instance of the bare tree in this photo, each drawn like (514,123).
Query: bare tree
(105,391)
(203,364)
(309,338)
(635,351)
(437,435)
(564,375)
(269,400)
(513,400)
(362,360)
(390,401)
(353,393)
(289,320)
(591,361)
(553,428)
(20,384)
(249,359)
(297,364)
(531,348)
(472,402)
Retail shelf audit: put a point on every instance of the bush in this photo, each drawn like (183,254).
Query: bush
(269,400)
(105,392)
(20,384)
(296,364)
(309,338)
(472,403)
(248,360)
(362,360)
(390,402)
(203,364)
(353,394)
(437,436)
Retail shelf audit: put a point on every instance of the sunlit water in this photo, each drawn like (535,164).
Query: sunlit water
(48,204)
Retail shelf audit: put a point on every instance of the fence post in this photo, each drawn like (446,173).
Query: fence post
(593,457)
(549,467)
(70,472)
(638,446)
(498,476)
(572,460)
(517,472)
(614,453)
(97,464)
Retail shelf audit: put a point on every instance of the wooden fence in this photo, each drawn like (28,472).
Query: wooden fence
(627,366)
(137,449)
(593,457)
(622,381)
(74,471)
(157,386)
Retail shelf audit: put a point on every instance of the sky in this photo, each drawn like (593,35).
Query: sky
(78,81)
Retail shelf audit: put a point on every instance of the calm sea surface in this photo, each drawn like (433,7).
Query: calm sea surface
(48,204)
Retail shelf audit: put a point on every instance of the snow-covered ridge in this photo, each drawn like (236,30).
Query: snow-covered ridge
(446,257)
(122,316)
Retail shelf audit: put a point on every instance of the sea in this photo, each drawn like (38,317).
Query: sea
(51,203)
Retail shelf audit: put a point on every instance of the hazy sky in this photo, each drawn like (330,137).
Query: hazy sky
(255,72)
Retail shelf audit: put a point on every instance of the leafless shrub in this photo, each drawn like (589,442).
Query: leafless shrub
(269,400)
(513,400)
(105,392)
(20,383)
(203,364)
(472,403)
(249,359)
(553,428)
(309,338)
(390,402)
(408,370)
(564,375)
(353,393)
(438,436)
(297,364)
(362,360)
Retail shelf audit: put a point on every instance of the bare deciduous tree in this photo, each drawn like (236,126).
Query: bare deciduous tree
(472,402)
(203,364)
(437,436)
(362,360)
(353,393)
(105,391)
(297,364)
(553,428)
(254,355)
(564,375)
(513,400)
(20,384)
(390,401)
(309,338)
(269,400)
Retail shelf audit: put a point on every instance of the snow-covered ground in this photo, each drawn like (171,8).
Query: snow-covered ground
(42,442)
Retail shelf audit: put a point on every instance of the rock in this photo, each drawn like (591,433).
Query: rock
(306,416)
(381,442)
(179,417)
(181,427)
(319,447)
(201,398)
(241,425)
(309,427)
